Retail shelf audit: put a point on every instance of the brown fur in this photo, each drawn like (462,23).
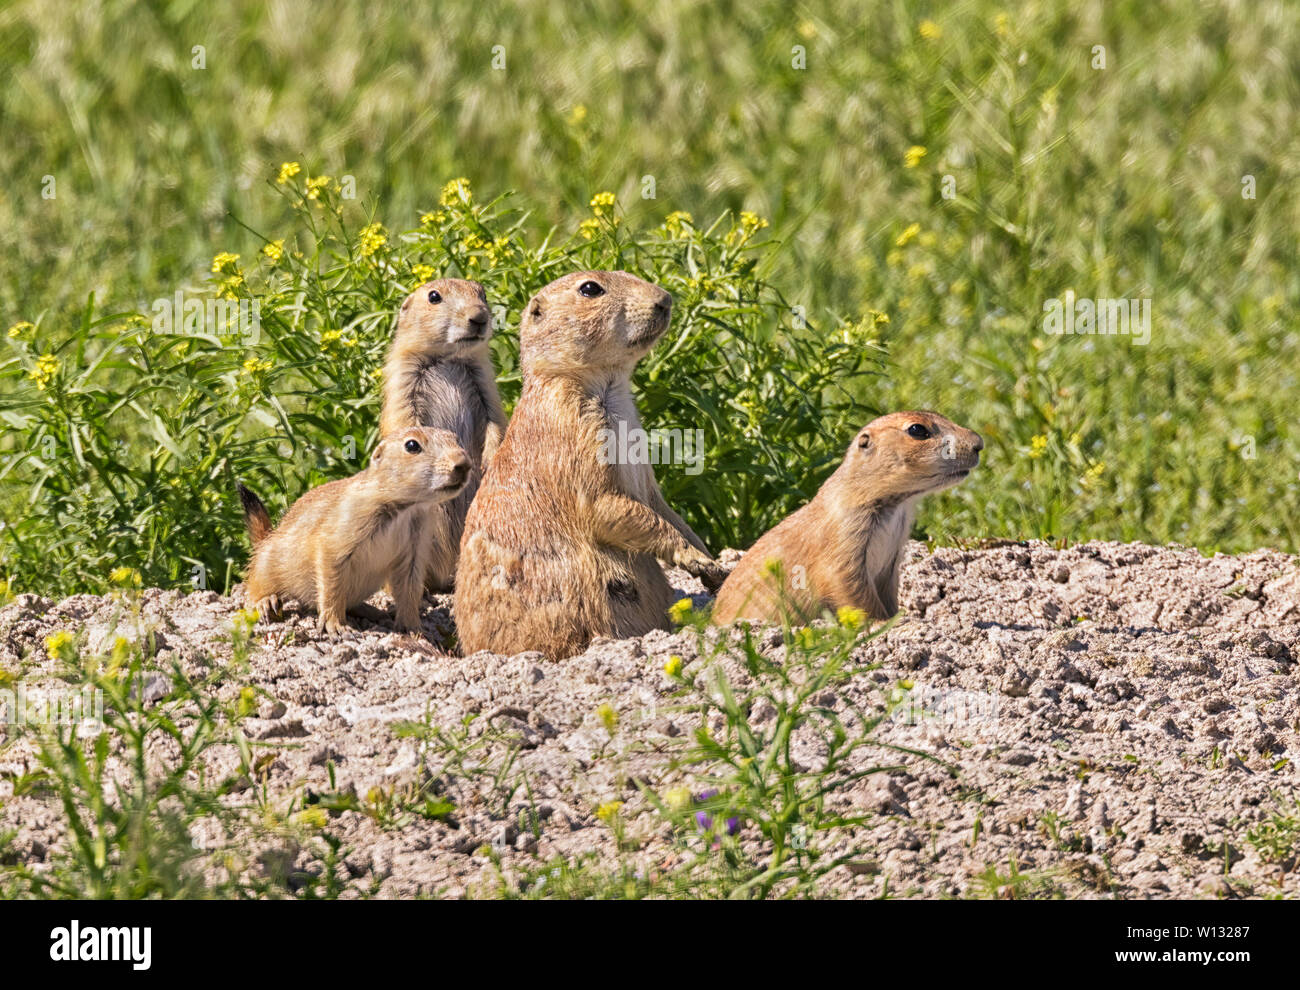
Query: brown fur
(342,541)
(845,547)
(560,545)
(439,373)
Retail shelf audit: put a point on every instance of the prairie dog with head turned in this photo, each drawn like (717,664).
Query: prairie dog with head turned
(439,374)
(560,544)
(340,542)
(845,547)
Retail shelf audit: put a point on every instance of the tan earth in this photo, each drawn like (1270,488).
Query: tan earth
(1119,717)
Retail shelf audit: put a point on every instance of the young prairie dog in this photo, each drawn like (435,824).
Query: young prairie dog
(560,544)
(845,547)
(439,374)
(341,542)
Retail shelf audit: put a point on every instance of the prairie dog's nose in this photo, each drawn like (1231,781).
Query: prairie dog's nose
(479,319)
(458,466)
(977,444)
(663,302)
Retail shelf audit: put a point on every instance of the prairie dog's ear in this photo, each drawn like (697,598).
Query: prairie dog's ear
(379,453)
(406,303)
(535,307)
(864,440)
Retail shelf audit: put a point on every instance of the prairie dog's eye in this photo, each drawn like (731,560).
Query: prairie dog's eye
(591,290)
(412,446)
(435,296)
(918,431)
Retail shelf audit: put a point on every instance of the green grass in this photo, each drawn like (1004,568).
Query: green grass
(1124,181)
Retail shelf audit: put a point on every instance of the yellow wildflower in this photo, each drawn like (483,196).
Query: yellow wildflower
(673,668)
(287,171)
(256,367)
(676,221)
(222,261)
(273,250)
(20,328)
(912,157)
(577,115)
(313,817)
(60,646)
(807,30)
(850,618)
(601,202)
(608,717)
(422,272)
(47,367)
(314,186)
(247,701)
(608,811)
(226,290)
(432,219)
(929,30)
(119,655)
(371,239)
(906,237)
(681,610)
(125,577)
(1002,25)
(751,222)
(678,799)
(588,229)
(455,191)
(1037,445)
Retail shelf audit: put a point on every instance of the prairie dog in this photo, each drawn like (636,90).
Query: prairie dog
(560,544)
(439,373)
(342,541)
(845,547)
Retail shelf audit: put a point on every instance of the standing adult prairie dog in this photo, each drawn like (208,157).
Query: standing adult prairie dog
(342,541)
(845,547)
(439,374)
(560,543)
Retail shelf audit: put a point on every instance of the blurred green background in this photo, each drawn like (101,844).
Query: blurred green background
(948,166)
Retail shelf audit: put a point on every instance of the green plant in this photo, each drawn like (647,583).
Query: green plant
(138,426)
(745,777)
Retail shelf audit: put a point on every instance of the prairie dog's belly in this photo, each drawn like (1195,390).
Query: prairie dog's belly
(629,444)
(448,400)
(373,561)
(890,532)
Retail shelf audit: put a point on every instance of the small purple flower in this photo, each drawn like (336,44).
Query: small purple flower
(702,818)
(705,820)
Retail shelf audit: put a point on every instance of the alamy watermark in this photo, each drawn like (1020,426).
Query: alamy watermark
(194,315)
(656,446)
(1071,315)
(949,706)
(18,706)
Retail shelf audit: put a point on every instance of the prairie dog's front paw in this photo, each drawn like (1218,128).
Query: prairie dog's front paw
(702,566)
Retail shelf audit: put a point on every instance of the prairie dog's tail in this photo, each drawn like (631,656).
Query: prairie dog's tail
(256,518)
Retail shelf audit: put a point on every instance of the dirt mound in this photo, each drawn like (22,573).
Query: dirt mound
(1108,720)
